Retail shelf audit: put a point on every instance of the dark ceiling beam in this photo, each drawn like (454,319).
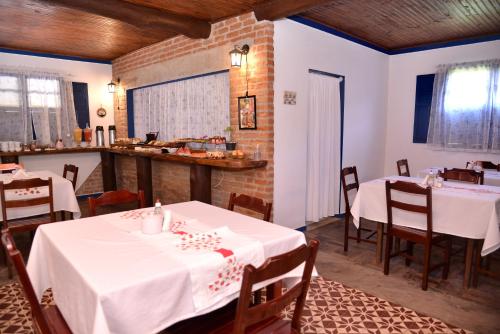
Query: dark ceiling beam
(142,17)
(278,9)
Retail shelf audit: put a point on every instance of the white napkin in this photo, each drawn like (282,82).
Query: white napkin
(20,174)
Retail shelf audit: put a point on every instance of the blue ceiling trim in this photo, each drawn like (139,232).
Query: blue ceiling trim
(445,44)
(49,55)
(333,31)
(338,33)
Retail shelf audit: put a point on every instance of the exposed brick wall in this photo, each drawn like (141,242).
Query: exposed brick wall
(93,183)
(171,181)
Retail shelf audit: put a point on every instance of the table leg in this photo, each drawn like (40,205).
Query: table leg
(108,171)
(380,243)
(145,178)
(468,263)
(201,183)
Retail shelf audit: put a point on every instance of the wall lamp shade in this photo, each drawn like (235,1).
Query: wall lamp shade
(112,86)
(237,54)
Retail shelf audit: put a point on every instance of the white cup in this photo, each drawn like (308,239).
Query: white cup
(4,146)
(17,146)
(12,146)
(151,223)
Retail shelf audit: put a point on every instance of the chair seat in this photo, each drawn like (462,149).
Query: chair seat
(28,223)
(416,235)
(55,320)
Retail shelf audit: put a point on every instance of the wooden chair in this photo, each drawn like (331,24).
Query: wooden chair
(261,318)
(463,175)
(28,224)
(411,235)
(74,172)
(251,203)
(484,165)
(115,197)
(346,188)
(482,265)
(46,320)
(403,168)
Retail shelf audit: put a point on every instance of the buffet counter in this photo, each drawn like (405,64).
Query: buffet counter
(200,168)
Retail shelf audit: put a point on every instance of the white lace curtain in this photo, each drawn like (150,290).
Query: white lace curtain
(42,102)
(188,108)
(465,110)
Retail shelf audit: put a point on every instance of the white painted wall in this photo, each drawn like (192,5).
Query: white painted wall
(298,48)
(403,70)
(97,76)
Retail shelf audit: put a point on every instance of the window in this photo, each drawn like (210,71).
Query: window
(464,109)
(32,107)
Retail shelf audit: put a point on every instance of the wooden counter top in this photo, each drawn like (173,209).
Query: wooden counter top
(54,151)
(228,163)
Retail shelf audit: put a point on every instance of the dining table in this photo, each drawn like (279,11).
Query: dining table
(62,189)
(491,176)
(107,276)
(460,209)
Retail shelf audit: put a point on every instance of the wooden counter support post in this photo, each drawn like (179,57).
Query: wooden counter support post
(144,178)
(108,171)
(201,183)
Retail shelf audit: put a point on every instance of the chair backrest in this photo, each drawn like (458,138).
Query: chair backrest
(251,203)
(487,164)
(348,187)
(403,168)
(73,170)
(116,197)
(17,259)
(247,315)
(464,175)
(409,188)
(26,185)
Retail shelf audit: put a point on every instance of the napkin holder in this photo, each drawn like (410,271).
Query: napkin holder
(152,223)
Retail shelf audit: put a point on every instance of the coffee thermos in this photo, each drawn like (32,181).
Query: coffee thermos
(112,134)
(99,136)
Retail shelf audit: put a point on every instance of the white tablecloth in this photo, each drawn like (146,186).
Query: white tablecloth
(491,176)
(64,196)
(109,278)
(465,210)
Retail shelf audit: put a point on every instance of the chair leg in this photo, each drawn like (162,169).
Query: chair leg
(346,232)
(358,234)
(397,245)
(447,255)
(257,297)
(387,255)
(409,251)
(477,264)
(427,263)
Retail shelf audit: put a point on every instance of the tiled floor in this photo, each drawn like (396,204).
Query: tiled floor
(473,309)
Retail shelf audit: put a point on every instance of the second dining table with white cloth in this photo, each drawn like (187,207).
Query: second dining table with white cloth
(460,209)
(63,192)
(108,277)
(491,176)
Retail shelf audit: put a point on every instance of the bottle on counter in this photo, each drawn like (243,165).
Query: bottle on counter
(112,134)
(157,210)
(99,136)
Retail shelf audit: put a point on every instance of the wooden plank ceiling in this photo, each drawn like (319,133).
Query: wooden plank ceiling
(62,27)
(395,24)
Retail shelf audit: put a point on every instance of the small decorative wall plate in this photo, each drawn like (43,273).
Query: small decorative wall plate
(101,112)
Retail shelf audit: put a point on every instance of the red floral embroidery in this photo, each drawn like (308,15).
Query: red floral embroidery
(200,241)
(27,191)
(232,272)
(176,226)
(134,214)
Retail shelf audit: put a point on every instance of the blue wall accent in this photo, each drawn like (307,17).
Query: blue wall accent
(130,97)
(341,34)
(50,55)
(423,100)
(81,100)
(130,113)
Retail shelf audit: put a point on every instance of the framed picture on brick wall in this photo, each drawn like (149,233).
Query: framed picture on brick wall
(247,112)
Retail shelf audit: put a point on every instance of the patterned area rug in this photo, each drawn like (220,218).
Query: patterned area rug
(331,308)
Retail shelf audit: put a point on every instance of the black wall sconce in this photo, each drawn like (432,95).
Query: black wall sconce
(237,54)
(112,89)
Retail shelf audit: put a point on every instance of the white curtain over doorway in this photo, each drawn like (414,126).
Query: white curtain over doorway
(323,147)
